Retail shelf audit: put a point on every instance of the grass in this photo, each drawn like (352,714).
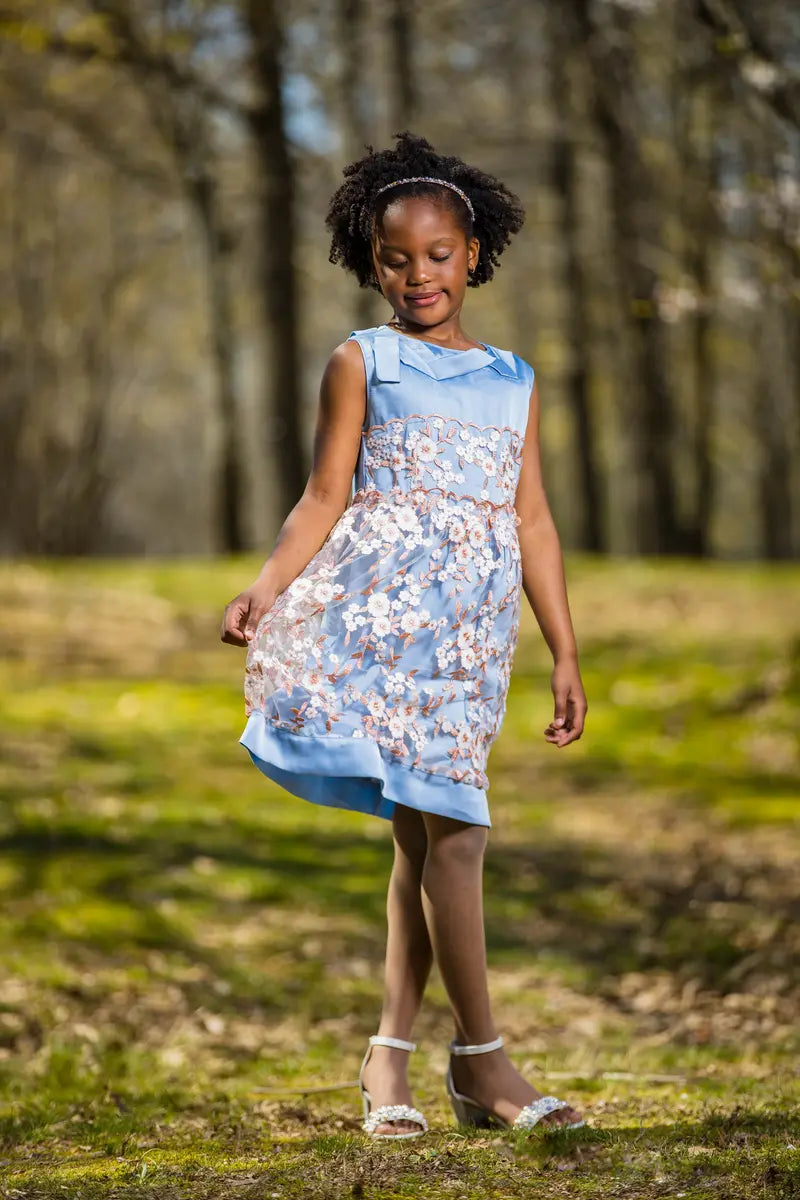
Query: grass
(191,955)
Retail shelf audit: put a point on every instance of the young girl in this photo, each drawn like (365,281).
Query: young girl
(381,633)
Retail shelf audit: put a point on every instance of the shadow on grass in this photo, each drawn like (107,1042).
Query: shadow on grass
(611,910)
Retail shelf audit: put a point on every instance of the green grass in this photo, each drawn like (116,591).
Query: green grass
(189,955)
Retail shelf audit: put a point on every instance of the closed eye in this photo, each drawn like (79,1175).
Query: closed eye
(396,265)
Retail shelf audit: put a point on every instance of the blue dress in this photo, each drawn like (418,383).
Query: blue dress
(380,674)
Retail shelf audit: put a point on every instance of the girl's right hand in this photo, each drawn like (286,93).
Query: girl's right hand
(245,611)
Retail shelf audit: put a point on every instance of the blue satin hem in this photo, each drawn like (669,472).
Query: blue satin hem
(356,774)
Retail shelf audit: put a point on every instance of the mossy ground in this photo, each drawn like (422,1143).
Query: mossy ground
(177,933)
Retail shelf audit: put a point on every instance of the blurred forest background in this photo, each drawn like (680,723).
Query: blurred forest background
(168,305)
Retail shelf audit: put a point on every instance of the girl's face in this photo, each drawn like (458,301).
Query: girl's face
(421,259)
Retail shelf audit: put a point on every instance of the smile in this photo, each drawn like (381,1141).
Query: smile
(424,299)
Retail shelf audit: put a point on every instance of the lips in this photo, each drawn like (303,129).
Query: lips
(422,299)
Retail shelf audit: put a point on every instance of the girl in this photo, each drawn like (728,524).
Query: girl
(381,633)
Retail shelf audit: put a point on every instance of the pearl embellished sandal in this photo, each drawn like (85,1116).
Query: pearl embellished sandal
(388,1112)
(469,1112)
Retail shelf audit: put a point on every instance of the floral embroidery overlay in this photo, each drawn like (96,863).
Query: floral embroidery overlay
(352,647)
(443,452)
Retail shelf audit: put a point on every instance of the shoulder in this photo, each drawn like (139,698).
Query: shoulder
(358,350)
(345,363)
(521,366)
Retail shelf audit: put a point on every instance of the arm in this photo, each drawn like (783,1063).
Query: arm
(340,416)
(544,584)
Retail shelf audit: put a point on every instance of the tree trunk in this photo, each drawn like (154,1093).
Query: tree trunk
(357,122)
(402,81)
(701,230)
(202,193)
(564,75)
(637,234)
(276,194)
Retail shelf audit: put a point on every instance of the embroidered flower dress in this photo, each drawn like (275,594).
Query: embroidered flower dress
(380,674)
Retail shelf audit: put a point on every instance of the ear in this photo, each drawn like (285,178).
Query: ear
(473,249)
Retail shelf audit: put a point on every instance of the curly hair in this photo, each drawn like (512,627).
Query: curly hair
(356,207)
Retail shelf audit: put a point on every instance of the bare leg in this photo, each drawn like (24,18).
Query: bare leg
(452,899)
(408,963)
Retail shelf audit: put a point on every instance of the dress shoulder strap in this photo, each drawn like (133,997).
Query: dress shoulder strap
(380,347)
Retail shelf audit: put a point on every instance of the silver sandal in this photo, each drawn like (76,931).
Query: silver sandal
(468,1112)
(388,1112)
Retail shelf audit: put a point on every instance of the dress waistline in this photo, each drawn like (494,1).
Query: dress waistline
(423,498)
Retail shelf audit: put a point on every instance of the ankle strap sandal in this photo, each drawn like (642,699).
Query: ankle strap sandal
(387,1113)
(469,1112)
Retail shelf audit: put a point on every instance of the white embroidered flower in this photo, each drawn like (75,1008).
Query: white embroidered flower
(381,627)
(463,739)
(465,636)
(426,449)
(396,726)
(442,656)
(467,657)
(410,621)
(406,518)
(378,604)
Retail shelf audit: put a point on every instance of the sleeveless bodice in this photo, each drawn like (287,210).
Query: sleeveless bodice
(470,448)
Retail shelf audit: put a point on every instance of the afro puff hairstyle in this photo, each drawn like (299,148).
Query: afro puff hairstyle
(355,205)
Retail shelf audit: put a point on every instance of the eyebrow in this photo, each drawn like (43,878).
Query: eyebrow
(446,237)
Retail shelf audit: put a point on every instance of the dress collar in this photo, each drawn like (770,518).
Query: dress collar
(391,348)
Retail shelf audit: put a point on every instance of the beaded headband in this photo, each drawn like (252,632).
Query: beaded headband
(431,179)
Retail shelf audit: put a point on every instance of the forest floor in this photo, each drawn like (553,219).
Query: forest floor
(190,957)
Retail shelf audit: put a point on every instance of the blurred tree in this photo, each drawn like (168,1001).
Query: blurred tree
(165,171)
(276,192)
(570,106)
(358,109)
(183,118)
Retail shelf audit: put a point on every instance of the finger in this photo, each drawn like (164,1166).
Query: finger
(234,638)
(256,613)
(575,726)
(232,623)
(560,712)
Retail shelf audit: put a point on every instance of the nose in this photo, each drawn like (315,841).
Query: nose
(417,272)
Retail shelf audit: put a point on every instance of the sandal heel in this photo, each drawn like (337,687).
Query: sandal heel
(467,1111)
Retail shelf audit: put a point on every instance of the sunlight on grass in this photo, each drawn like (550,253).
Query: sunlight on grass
(188,952)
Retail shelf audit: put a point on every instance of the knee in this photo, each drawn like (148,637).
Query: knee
(459,848)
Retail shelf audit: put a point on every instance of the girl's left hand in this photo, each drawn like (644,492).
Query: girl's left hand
(570,706)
